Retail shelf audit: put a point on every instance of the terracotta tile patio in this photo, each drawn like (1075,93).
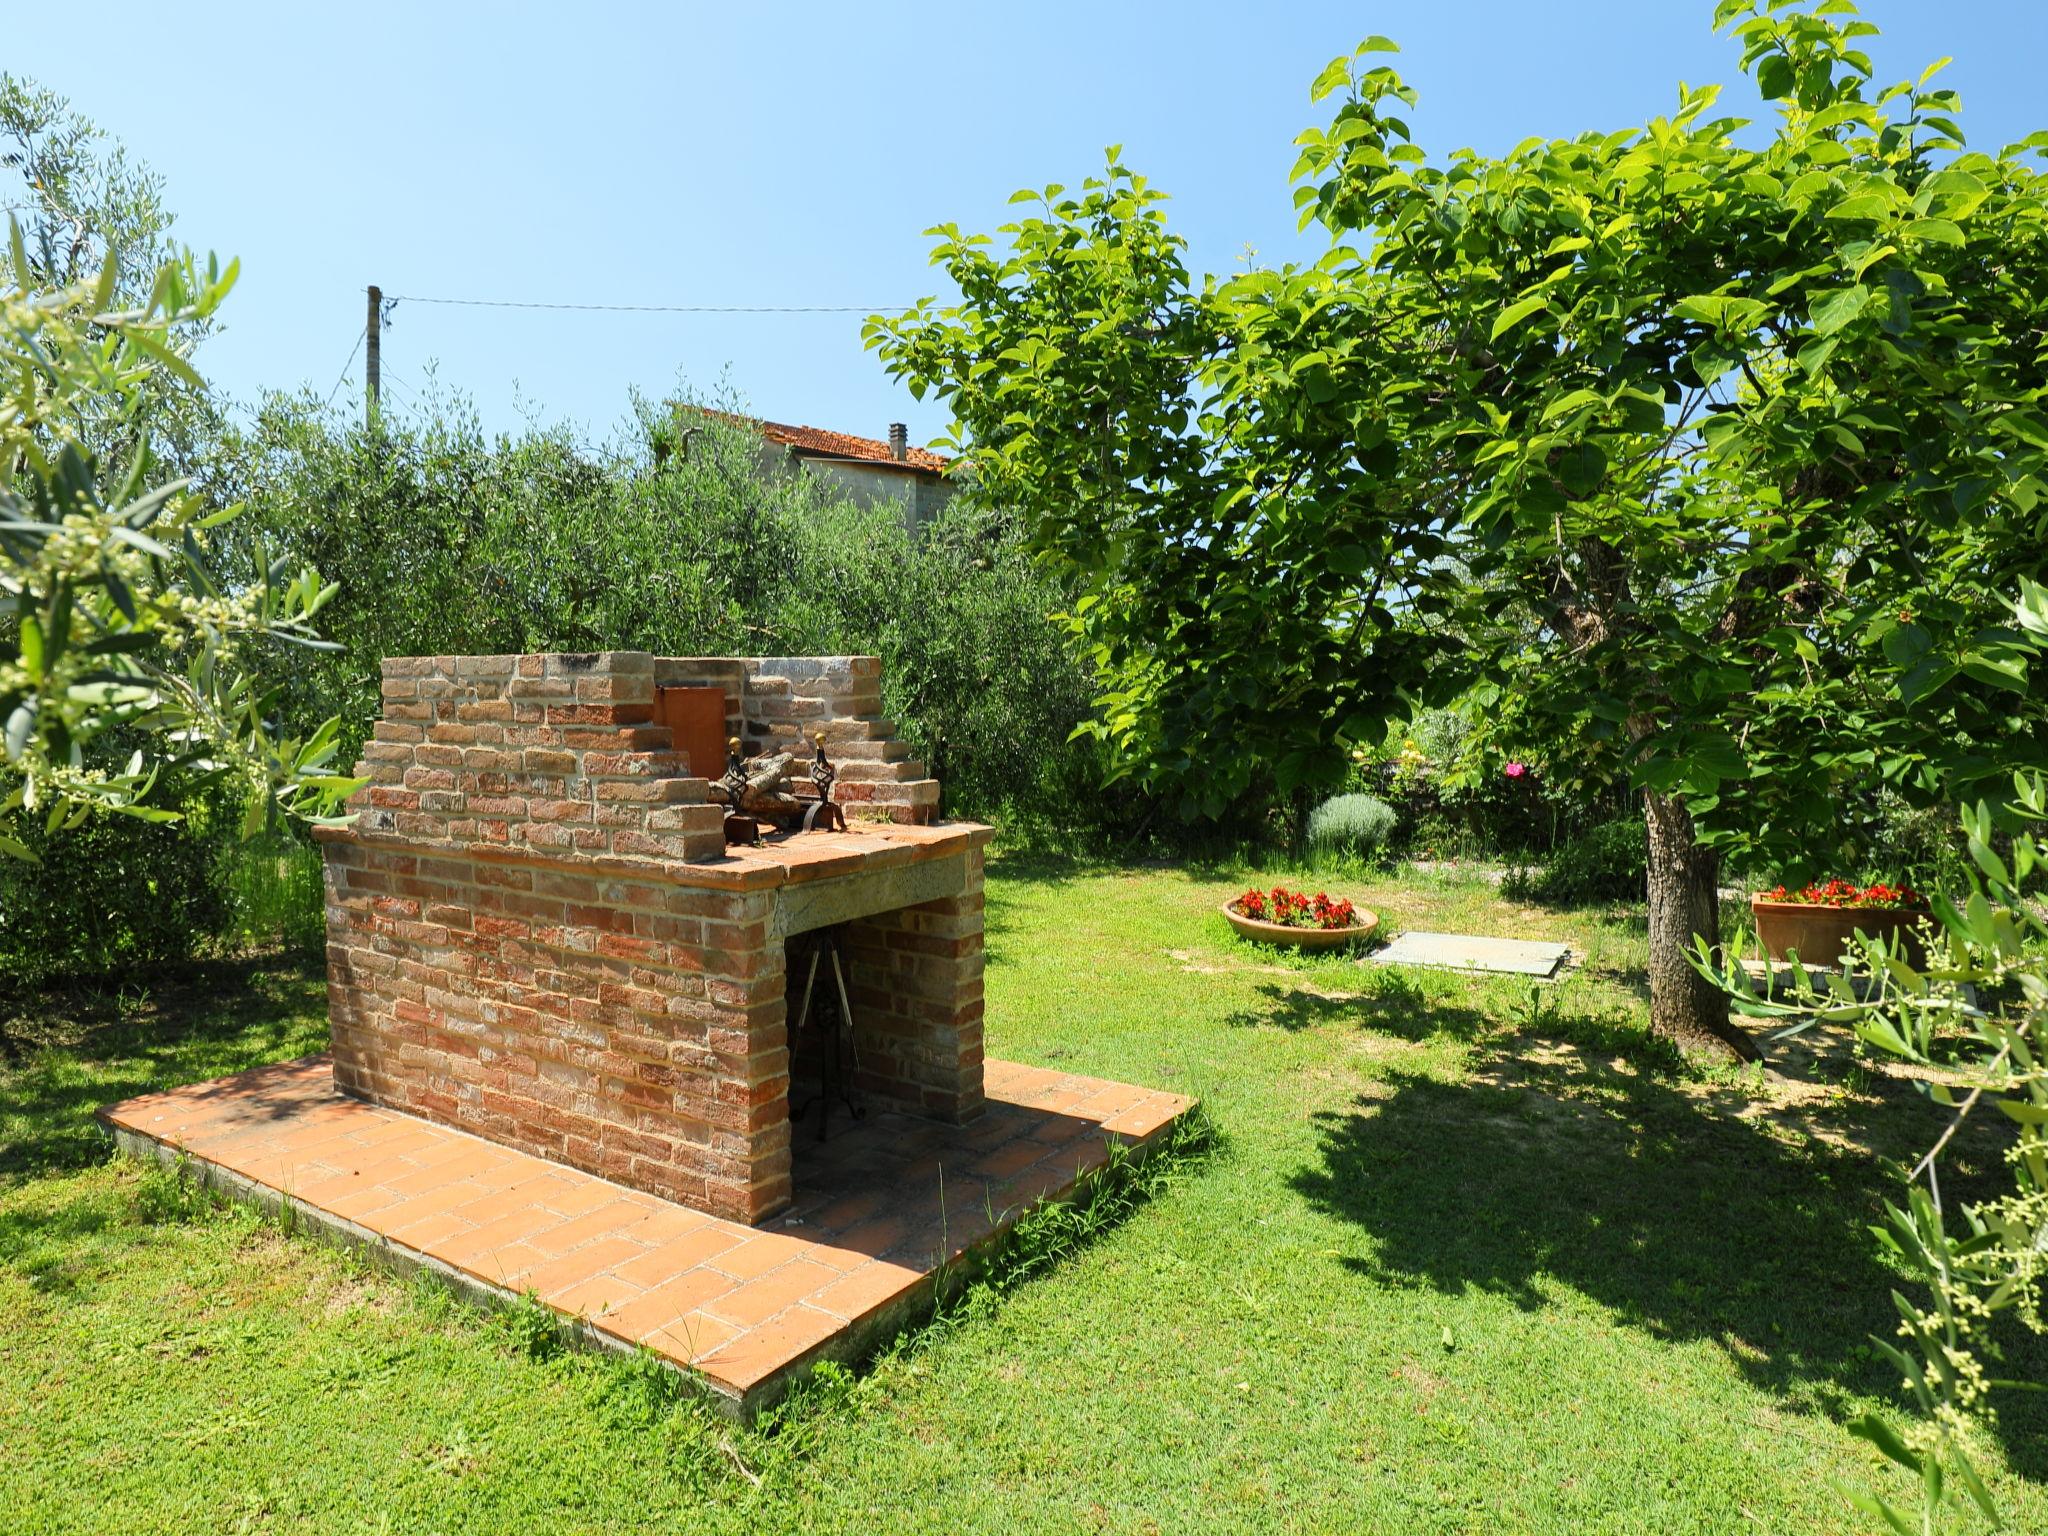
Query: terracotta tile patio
(745,1307)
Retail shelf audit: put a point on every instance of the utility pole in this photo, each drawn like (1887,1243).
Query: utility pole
(372,335)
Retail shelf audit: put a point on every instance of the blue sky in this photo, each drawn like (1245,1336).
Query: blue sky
(793,155)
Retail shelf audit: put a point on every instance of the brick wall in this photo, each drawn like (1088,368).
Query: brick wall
(628,1026)
(789,697)
(536,933)
(916,988)
(775,703)
(544,752)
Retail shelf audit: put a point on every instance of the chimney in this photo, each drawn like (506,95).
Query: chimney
(899,441)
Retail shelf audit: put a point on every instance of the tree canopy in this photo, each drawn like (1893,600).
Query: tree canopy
(1721,450)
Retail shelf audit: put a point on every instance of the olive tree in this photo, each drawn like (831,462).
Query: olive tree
(113,622)
(1718,450)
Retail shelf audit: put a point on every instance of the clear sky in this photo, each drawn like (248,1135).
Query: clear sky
(793,154)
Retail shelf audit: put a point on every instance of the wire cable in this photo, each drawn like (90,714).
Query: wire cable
(352,351)
(658,309)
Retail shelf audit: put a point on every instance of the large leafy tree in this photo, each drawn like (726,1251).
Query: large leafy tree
(1719,447)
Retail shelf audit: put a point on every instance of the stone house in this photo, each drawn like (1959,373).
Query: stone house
(869,471)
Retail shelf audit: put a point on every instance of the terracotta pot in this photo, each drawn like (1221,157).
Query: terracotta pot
(1822,934)
(1363,926)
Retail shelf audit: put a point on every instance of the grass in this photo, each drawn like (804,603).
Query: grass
(1469,1256)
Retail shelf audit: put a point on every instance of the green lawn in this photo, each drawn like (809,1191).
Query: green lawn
(1457,1265)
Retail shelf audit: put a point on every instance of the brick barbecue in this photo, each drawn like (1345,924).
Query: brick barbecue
(537,934)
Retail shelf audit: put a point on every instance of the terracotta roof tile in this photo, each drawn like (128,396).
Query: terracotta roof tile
(838,445)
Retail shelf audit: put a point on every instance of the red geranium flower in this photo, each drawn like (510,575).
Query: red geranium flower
(1297,909)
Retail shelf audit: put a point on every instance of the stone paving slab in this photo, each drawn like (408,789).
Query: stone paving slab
(880,1207)
(1465,952)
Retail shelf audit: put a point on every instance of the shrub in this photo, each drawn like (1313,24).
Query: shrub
(275,893)
(677,538)
(125,894)
(1355,824)
(980,680)
(1609,863)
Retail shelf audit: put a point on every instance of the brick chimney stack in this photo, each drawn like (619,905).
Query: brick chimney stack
(899,441)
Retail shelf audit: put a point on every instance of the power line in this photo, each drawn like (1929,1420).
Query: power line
(659,309)
(346,366)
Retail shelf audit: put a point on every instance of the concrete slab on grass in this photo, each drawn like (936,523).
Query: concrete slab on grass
(1464,952)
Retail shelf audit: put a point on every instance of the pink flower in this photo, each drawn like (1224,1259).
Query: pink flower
(1514,770)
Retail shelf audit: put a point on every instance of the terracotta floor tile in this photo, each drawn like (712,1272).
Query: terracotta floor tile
(422,1181)
(597,1298)
(690,1251)
(429,1231)
(499,1232)
(757,1353)
(664,1223)
(740,1304)
(580,1195)
(690,1338)
(659,1306)
(332,1187)
(410,1208)
(494,1203)
(758,1254)
(1010,1158)
(848,1210)
(586,1263)
(507,1173)
(507,1266)
(599,1220)
(755,1301)
(827,1253)
(858,1292)
(875,1237)
(357,1204)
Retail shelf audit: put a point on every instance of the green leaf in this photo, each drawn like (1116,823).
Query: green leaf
(1865,205)
(1515,314)
(1839,308)
(1774,77)
(1999,672)
(1880,1434)
(1877,1509)
(1960,1463)
(1350,560)
(1722,311)
(1933,231)
(1906,644)
(144,341)
(32,647)
(1815,354)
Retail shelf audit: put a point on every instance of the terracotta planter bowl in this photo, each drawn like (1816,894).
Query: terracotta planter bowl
(1822,934)
(1366,924)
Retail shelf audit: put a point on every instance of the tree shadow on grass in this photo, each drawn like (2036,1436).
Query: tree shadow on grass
(1688,1222)
(78,1051)
(1387,1003)
(1013,872)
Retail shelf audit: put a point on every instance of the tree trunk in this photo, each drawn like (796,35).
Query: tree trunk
(1685,901)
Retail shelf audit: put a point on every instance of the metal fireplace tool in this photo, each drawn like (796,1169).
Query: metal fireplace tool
(834,1027)
(821,814)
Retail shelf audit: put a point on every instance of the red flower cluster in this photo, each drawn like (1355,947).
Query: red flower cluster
(1846,893)
(1296,909)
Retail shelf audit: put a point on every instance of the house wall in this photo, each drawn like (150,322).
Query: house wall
(919,498)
